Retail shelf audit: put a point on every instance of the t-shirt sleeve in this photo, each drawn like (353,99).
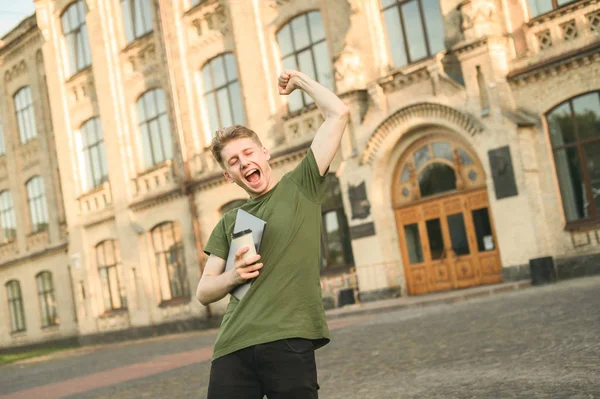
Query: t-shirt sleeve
(218,244)
(307,177)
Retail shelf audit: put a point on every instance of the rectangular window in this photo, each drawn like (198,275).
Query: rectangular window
(38,210)
(168,252)
(7,217)
(47,303)
(539,7)
(108,261)
(157,144)
(415,29)
(137,18)
(15,306)
(95,169)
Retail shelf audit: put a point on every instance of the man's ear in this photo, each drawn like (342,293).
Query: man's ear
(227,176)
(267,153)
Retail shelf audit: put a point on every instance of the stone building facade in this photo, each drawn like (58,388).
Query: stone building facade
(473,144)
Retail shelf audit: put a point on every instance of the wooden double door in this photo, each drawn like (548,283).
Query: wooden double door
(449,243)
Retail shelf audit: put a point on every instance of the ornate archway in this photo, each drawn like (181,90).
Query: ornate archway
(445,228)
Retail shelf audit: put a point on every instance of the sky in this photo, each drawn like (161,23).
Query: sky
(12,12)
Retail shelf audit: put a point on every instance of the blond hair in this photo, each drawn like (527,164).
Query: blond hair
(227,134)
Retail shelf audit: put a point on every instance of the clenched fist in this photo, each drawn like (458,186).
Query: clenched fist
(287,81)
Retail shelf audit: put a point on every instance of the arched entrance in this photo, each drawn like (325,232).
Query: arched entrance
(445,228)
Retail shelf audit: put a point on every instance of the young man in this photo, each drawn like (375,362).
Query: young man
(267,340)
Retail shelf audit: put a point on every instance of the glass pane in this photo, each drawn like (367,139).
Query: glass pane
(138,6)
(284,39)
(572,187)
(464,157)
(218,69)
(211,108)
(105,289)
(385,3)
(483,230)
(163,276)
(141,110)
(395,36)
(538,7)
(458,234)
(442,150)
(335,250)
(96,167)
(161,106)
(156,142)
(224,109)
(305,62)
(405,174)
(300,32)
(206,79)
(165,131)
(316,26)
(434,23)
(80,52)
(236,102)
(436,241)
(414,31)
(65,23)
(115,292)
(147,14)
(127,20)
(437,178)
(560,125)
(103,166)
(72,52)
(587,116)
(86,46)
(413,243)
(231,67)
(323,64)
(421,156)
(146,149)
(592,155)
(150,103)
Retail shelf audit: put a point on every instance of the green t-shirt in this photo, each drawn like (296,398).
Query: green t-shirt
(285,300)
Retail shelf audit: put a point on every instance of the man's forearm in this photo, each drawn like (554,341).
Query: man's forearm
(213,288)
(328,102)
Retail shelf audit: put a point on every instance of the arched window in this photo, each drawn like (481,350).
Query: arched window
(336,245)
(7,217)
(15,306)
(137,18)
(303,46)
(170,261)
(222,94)
(36,198)
(415,29)
(232,205)
(574,128)
(435,166)
(108,261)
(76,35)
(25,115)
(45,289)
(154,125)
(94,170)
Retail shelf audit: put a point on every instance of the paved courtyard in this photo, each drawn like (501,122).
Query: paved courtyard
(542,342)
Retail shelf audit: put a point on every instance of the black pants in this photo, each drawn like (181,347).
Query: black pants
(283,369)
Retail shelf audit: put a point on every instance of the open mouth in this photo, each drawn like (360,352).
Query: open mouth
(252,176)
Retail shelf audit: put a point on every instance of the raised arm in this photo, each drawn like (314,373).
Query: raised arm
(327,139)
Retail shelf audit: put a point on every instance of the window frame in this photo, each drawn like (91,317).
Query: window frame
(295,53)
(398,4)
(73,53)
(15,304)
(336,206)
(181,267)
(118,270)
(209,65)
(44,294)
(86,151)
(6,214)
(168,154)
(25,116)
(585,175)
(40,199)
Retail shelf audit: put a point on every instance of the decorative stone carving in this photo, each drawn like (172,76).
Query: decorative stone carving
(16,70)
(377,95)
(217,19)
(430,111)
(569,30)
(348,70)
(594,21)
(479,19)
